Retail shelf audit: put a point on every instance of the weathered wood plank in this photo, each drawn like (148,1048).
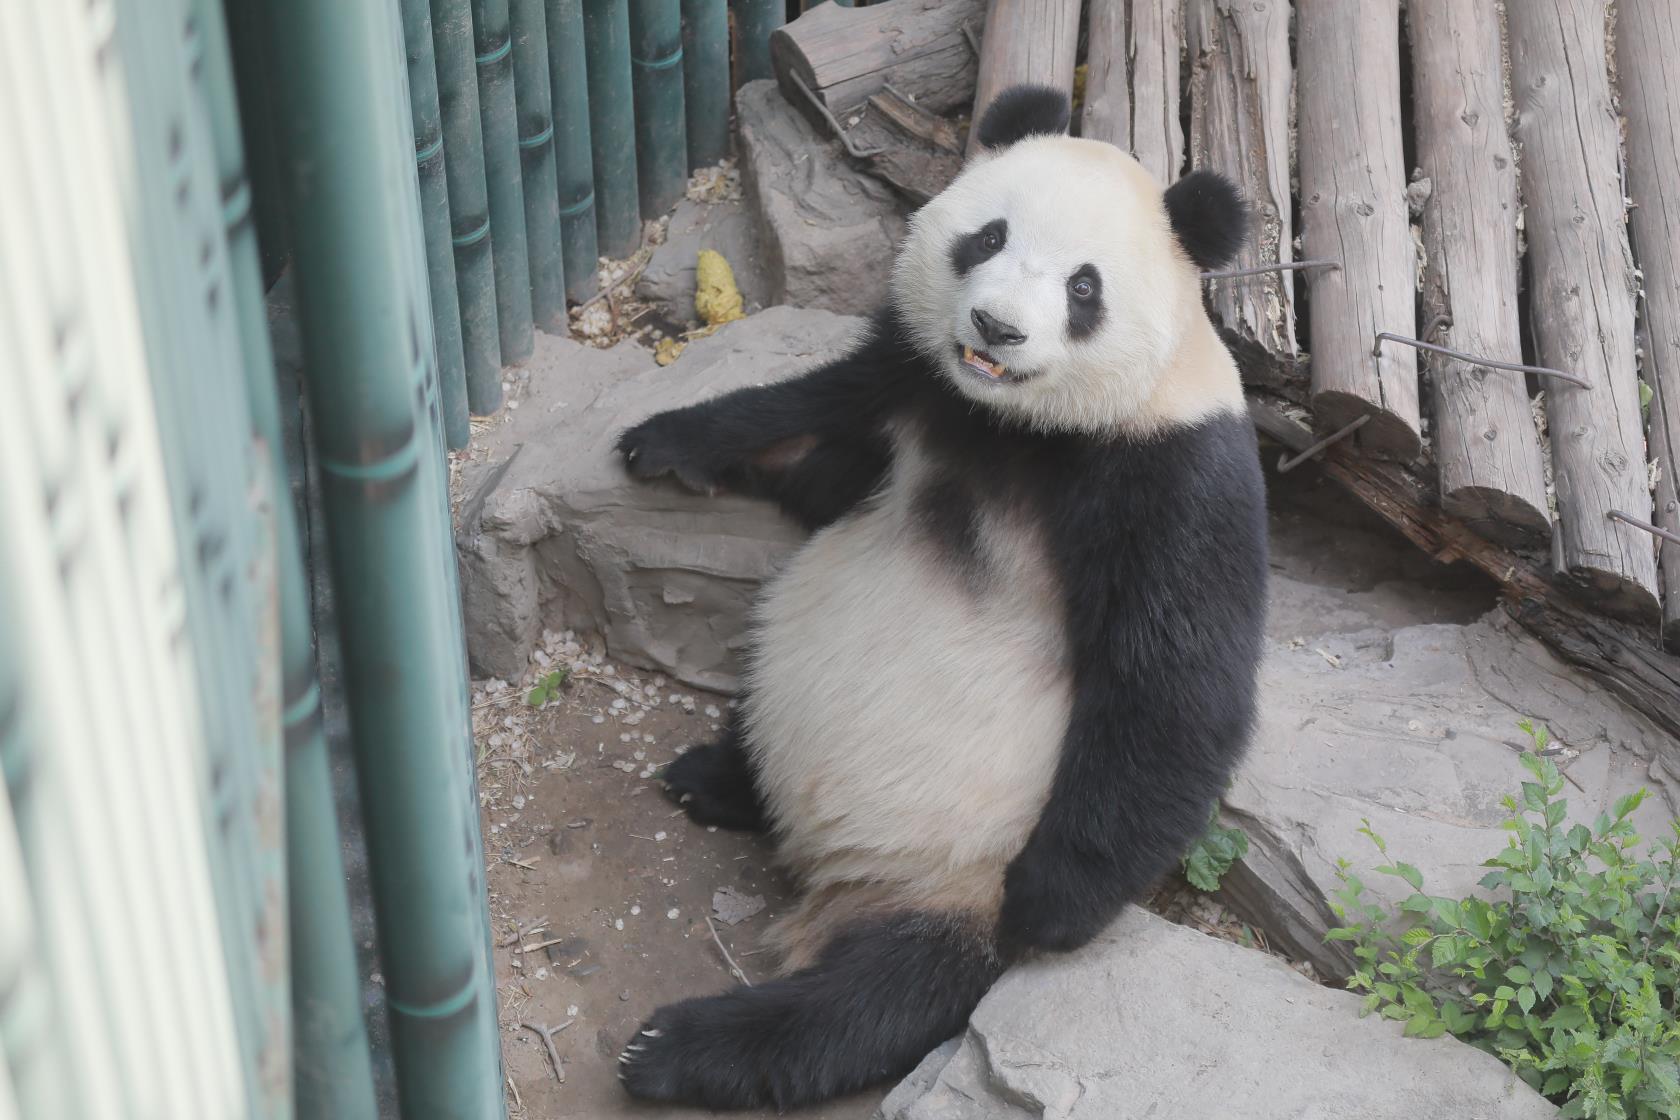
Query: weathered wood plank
(1648,53)
(1240,81)
(1133,50)
(1485,442)
(1616,654)
(1353,210)
(844,55)
(1582,296)
(1026,41)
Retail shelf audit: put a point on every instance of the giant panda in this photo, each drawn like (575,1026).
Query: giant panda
(996,693)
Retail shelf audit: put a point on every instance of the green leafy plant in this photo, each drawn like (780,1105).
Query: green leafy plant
(1213,853)
(547,689)
(1570,973)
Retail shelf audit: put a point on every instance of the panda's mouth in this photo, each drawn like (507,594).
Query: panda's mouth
(982,362)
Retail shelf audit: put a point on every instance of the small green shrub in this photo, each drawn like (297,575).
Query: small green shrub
(1571,974)
(546,689)
(1213,853)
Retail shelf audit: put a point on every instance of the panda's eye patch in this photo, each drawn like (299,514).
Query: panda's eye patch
(1085,306)
(981,245)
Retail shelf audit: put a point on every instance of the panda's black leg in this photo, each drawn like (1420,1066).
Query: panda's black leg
(883,994)
(715,784)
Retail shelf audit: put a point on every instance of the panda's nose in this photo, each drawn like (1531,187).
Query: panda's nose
(995,331)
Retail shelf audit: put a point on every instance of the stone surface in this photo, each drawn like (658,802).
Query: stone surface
(555,534)
(727,227)
(1157,1020)
(828,231)
(1415,730)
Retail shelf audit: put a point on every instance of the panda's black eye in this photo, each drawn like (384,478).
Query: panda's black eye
(991,240)
(1085,301)
(1081,288)
(980,246)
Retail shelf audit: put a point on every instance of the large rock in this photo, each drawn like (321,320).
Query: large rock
(726,227)
(1415,730)
(1156,1020)
(555,533)
(827,230)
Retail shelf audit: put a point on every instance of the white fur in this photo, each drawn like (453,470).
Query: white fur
(906,728)
(1067,203)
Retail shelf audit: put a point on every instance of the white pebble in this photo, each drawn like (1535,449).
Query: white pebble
(712,711)
(659,836)
(618,705)
(519,801)
(572,1010)
(542,974)
(635,910)
(671,913)
(618,923)
(599,719)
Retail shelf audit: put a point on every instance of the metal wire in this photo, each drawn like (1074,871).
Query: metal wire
(1287,463)
(1516,367)
(1281,266)
(1656,531)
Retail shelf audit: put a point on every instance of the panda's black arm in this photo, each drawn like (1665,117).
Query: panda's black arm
(1165,590)
(814,443)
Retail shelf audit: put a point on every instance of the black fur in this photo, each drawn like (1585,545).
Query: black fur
(980,246)
(714,783)
(1160,550)
(882,994)
(1085,313)
(1022,111)
(1208,216)
(945,507)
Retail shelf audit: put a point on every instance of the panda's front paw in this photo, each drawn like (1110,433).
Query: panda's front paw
(672,443)
(1048,903)
(702,1052)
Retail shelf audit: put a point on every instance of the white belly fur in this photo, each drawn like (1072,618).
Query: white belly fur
(905,723)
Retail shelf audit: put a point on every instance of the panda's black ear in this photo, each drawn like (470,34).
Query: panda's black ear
(1208,217)
(1022,111)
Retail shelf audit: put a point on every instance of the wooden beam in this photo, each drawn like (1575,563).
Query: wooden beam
(1240,82)
(1582,296)
(1353,210)
(1485,440)
(843,55)
(1648,53)
(1026,41)
(1133,51)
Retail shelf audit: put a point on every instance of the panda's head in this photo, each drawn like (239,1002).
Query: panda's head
(1056,282)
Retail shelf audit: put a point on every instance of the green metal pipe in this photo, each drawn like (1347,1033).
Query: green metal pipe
(536,160)
(754,21)
(493,44)
(469,202)
(705,32)
(612,124)
(434,215)
(569,88)
(656,54)
(367,358)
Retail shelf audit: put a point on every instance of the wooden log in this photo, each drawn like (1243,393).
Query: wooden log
(1582,295)
(1648,54)
(1026,41)
(1614,653)
(843,55)
(1484,439)
(1353,210)
(1133,50)
(1240,81)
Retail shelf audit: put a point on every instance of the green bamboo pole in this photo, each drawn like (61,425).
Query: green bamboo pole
(656,55)
(493,42)
(569,89)
(256,114)
(612,125)
(705,27)
(331,1067)
(536,159)
(469,202)
(434,214)
(754,21)
(367,352)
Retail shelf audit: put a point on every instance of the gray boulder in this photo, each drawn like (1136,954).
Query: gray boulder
(554,533)
(728,228)
(1156,1020)
(828,231)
